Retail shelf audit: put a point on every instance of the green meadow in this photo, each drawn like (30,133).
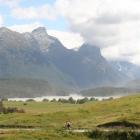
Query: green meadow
(46,120)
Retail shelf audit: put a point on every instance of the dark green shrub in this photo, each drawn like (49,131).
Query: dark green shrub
(82,101)
(4,99)
(30,100)
(24,103)
(53,100)
(71,100)
(93,99)
(114,135)
(45,100)
(12,110)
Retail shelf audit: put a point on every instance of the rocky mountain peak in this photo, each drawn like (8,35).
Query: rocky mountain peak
(40,31)
(90,50)
(89,47)
(40,34)
(4,29)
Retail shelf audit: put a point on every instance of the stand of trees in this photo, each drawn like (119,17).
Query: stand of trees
(72,101)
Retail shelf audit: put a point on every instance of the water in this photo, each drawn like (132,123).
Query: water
(74,96)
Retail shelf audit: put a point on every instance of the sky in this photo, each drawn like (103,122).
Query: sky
(113,26)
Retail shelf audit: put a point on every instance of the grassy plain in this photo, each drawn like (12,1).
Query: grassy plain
(50,117)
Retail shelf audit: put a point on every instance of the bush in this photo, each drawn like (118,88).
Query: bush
(63,101)
(4,99)
(114,135)
(53,100)
(71,100)
(45,100)
(12,110)
(24,103)
(82,101)
(30,100)
(93,99)
(9,110)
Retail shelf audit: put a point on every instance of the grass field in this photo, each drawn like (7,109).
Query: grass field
(49,118)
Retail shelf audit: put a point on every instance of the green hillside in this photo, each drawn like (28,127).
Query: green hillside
(111,91)
(26,87)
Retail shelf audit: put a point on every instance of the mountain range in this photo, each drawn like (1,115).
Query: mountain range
(37,64)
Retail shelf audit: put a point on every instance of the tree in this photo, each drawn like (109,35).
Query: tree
(1,106)
(82,101)
(71,100)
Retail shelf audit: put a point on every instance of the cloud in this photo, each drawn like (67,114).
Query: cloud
(10,3)
(99,21)
(128,45)
(41,12)
(25,27)
(114,26)
(69,39)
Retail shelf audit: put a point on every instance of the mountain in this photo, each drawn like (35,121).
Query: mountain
(21,58)
(133,84)
(86,66)
(36,58)
(22,87)
(132,71)
(130,86)
(110,91)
